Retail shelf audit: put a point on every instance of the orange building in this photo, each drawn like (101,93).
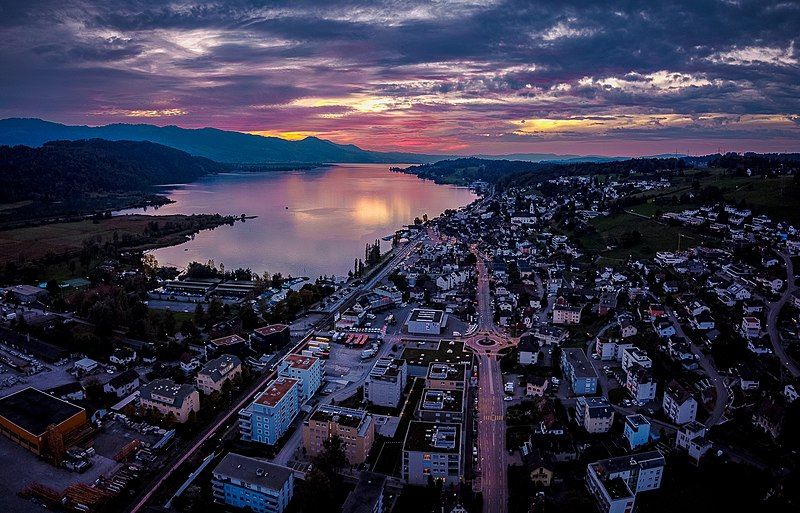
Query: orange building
(355,428)
(28,416)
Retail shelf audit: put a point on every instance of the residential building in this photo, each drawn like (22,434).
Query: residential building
(269,338)
(614,482)
(750,327)
(355,428)
(608,348)
(635,356)
(309,370)
(679,405)
(386,381)
(215,373)
(528,350)
(170,399)
(692,438)
(446,376)
(255,484)
(432,450)
(636,430)
(268,417)
(566,314)
(536,386)
(123,384)
(441,405)
(231,344)
(367,496)
(640,384)
(578,371)
(595,414)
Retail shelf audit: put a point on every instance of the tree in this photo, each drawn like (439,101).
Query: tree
(149,265)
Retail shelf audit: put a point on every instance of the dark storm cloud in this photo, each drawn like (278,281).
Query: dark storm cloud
(455,74)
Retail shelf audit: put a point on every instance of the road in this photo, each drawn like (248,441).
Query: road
(232,412)
(491,410)
(722,392)
(772,319)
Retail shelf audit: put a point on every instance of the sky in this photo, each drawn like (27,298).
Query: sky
(441,76)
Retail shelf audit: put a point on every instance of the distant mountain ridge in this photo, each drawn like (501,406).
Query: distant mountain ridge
(218,145)
(240,148)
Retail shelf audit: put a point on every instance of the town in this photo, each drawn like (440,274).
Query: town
(581,343)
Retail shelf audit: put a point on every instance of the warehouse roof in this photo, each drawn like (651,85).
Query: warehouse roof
(34,410)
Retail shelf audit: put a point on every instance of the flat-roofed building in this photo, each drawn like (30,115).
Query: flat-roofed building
(367,497)
(614,482)
(215,373)
(636,430)
(355,428)
(426,321)
(386,381)
(432,450)
(441,405)
(252,483)
(272,412)
(268,338)
(170,398)
(307,369)
(28,415)
(231,344)
(578,371)
(445,376)
(595,414)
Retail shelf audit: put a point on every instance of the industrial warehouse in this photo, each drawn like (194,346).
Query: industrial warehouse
(41,423)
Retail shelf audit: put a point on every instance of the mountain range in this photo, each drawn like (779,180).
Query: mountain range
(237,147)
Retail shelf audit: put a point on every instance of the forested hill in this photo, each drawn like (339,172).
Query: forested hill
(512,172)
(68,169)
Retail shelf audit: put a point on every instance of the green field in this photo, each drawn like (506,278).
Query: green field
(655,237)
(776,197)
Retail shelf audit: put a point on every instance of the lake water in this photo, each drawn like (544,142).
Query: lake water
(309,223)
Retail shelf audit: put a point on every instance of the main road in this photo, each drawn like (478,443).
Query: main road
(486,343)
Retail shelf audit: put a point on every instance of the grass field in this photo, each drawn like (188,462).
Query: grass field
(777,197)
(36,242)
(655,237)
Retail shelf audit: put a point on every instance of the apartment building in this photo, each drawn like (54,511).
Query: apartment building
(386,381)
(634,356)
(614,482)
(309,370)
(640,384)
(441,405)
(567,315)
(268,417)
(636,430)
(432,450)
(217,372)
(595,414)
(445,376)
(679,404)
(356,429)
(169,398)
(578,371)
(258,485)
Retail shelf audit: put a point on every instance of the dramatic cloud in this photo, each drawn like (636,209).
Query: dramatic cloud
(455,76)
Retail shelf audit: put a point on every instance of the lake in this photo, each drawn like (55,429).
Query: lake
(310,223)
